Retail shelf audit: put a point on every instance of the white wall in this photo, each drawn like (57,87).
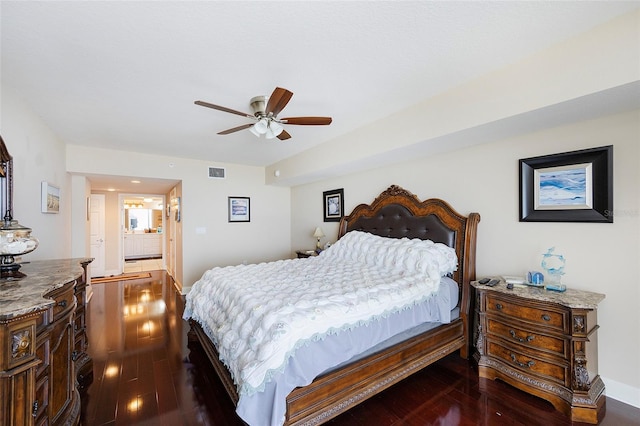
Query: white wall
(204,207)
(579,77)
(602,258)
(38,155)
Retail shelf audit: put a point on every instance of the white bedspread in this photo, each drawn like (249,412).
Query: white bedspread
(257,315)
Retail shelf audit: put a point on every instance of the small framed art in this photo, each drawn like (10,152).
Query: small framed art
(239,209)
(333,205)
(574,186)
(178,209)
(50,198)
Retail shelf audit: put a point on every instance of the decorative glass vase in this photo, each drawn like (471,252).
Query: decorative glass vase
(553,264)
(15,240)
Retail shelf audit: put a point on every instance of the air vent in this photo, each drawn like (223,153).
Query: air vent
(217,172)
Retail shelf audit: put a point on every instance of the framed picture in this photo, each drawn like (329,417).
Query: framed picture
(574,186)
(178,209)
(239,209)
(50,198)
(333,205)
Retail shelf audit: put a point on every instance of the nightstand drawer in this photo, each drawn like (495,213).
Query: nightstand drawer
(528,364)
(530,314)
(528,339)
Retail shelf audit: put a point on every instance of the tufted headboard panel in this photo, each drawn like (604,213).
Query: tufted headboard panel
(396,221)
(398,213)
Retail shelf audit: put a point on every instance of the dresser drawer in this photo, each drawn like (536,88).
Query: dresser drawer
(539,342)
(557,372)
(64,299)
(554,319)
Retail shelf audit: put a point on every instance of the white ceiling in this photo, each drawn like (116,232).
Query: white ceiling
(124,75)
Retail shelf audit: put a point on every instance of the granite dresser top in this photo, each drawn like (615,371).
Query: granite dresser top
(571,298)
(25,295)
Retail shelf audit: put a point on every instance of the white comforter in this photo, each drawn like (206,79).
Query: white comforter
(257,315)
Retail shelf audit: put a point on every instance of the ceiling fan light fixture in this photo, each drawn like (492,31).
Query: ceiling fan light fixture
(253,130)
(265,115)
(275,127)
(260,127)
(270,134)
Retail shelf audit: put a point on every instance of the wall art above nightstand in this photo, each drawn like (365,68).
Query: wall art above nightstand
(574,186)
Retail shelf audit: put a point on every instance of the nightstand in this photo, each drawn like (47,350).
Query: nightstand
(542,342)
(305,253)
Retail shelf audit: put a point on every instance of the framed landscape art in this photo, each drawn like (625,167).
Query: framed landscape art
(574,186)
(50,198)
(239,209)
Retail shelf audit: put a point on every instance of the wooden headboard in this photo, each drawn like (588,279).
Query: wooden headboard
(397,213)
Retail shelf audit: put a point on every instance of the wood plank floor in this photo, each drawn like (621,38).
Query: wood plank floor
(144,374)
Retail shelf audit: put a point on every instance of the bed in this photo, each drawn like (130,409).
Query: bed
(400,217)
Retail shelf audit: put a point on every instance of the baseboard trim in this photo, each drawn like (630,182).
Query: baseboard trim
(622,392)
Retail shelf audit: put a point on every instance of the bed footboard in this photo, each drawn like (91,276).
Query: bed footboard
(337,391)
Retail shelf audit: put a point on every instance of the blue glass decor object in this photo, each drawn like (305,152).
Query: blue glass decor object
(535,277)
(553,264)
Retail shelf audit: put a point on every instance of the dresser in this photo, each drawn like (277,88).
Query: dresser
(542,342)
(43,335)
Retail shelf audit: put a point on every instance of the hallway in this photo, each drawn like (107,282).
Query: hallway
(143,265)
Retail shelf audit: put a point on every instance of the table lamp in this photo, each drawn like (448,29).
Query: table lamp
(318,234)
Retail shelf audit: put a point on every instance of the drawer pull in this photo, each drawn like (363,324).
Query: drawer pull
(520,339)
(546,317)
(34,410)
(499,306)
(62,303)
(529,364)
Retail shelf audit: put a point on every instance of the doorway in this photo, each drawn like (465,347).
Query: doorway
(142,232)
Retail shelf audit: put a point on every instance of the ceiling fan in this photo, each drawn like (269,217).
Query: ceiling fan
(265,115)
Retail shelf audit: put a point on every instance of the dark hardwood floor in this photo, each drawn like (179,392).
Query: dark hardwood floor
(144,374)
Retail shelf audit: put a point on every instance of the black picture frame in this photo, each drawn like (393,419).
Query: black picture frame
(333,205)
(575,186)
(239,209)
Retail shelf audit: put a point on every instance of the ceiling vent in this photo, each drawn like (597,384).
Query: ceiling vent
(217,172)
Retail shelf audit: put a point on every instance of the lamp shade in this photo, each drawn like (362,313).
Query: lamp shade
(273,130)
(253,130)
(260,127)
(318,233)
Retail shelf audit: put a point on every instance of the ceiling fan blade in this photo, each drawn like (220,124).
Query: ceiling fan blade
(235,129)
(221,108)
(307,121)
(283,136)
(278,100)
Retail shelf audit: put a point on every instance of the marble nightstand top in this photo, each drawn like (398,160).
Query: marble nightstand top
(571,298)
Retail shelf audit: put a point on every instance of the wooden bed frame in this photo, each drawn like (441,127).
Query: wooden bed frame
(395,213)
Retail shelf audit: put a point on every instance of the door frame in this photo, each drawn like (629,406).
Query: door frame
(121,226)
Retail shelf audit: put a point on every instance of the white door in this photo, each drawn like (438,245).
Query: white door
(171,247)
(97,225)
